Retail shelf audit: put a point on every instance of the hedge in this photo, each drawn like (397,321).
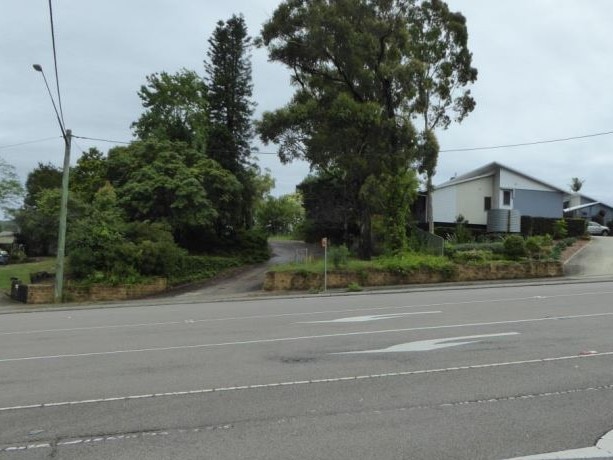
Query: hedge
(539,226)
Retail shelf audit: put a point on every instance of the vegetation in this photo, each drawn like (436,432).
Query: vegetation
(363,71)
(23,271)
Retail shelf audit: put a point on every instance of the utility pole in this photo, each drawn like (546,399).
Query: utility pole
(61,238)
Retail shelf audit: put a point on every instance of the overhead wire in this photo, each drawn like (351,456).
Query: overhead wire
(57,80)
(29,142)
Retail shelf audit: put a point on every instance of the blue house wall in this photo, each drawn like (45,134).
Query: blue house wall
(538,203)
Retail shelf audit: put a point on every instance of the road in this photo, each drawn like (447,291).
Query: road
(495,372)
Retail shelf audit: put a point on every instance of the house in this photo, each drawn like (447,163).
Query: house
(495,190)
(577,205)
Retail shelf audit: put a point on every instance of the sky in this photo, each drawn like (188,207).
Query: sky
(544,67)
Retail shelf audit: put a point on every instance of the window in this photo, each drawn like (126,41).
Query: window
(487,203)
(506,198)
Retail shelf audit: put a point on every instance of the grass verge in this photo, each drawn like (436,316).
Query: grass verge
(22,271)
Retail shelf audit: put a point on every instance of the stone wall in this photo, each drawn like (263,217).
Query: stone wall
(43,293)
(290,281)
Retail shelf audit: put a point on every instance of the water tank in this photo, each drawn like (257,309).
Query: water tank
(503,221)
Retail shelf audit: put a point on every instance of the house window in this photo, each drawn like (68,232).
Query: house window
(487,203)
(506,198)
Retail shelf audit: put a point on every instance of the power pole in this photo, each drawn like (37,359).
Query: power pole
(61,238)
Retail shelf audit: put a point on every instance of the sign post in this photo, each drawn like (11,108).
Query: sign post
(324,244)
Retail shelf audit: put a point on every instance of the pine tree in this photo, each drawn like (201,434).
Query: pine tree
(230,87)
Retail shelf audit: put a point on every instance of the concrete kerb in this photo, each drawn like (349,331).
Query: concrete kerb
(261,295)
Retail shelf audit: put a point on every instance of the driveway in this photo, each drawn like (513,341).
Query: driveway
(594,260)
(250,280)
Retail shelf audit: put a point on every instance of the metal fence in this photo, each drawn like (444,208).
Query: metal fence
(427,242)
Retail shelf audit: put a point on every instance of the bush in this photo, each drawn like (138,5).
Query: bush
(339,255)
(539,226)
(560,229)
(495,248)
(473,255)
(514,247)
(538,246)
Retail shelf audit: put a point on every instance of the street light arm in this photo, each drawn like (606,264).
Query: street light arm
(39,68)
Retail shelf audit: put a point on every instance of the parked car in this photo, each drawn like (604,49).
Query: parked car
(594,228)
(4,257)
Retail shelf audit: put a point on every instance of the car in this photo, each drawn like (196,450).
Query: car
(594,228)
(4,257)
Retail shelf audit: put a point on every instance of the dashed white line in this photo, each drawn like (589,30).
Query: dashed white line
(308,382)
(283,315)
(292,339)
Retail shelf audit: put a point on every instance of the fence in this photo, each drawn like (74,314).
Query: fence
(427,242)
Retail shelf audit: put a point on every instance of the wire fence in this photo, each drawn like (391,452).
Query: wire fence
(427,242)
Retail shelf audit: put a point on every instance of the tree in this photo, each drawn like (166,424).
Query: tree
(280,216)
(440,66)
(89,175)
(350,116)
(43,177)
(228,76)
(176,109)
(173,183)
(576,184)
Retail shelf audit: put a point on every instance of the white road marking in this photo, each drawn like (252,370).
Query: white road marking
(602,449)
(336,380)
(298,338)
(429,345)
(285,315)
(364,319)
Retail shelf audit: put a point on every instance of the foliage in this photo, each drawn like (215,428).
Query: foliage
(175,109)
(43,177)
(280,216)
(39,222)
(228,76)
(173,183)
(472,255)
(560,229)
(200,268)
(339,255)
(538,247)
(354,287)
(543,225)
(556,252)
(104,248)
(576,184)
(462,232)
(89,175)
(358,67)
(494,247)
(514,247)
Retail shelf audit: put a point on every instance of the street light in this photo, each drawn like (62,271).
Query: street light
(61,239)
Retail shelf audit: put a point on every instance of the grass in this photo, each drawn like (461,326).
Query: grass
(406,263)
(22,271)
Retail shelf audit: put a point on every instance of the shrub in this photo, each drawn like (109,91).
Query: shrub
(354,287)
(339,255)
(560,229)
(473,255)
(495,248)
(514,247)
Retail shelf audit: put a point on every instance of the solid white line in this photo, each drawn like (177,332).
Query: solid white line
(314,381)
(285,315)
(292,339)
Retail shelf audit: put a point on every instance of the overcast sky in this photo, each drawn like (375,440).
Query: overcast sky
(544,73)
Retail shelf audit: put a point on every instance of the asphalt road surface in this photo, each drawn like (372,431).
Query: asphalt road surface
(475,373)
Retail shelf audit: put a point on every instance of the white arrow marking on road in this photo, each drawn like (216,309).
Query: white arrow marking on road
(602,449)
(363,319)
(428,345)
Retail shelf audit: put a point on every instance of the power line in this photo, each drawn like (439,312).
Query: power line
(57,80)
(101,140)
(29,142)
(523,144)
